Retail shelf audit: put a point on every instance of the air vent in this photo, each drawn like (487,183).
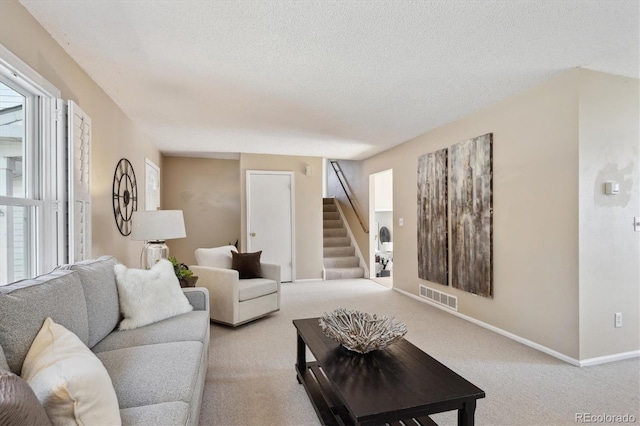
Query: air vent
(436,296)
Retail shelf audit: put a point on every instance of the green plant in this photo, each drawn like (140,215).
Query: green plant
(181,270)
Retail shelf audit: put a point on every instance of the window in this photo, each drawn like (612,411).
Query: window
(31,172)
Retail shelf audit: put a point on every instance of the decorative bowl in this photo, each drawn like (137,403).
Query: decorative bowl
(361,332)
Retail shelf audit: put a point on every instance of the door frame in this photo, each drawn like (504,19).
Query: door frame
(153,167)
(373,235)
(292,191)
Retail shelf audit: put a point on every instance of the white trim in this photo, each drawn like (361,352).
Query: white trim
(609,358)
(18,70)
(20,202)
(293,211)
(59,129)
(153,166)
(372,240)
(362,263)
(79,181)
(534,345)
(308,280)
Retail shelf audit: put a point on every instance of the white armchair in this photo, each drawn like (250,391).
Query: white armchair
(235,301)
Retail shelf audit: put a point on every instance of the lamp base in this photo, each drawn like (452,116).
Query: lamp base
(152,252)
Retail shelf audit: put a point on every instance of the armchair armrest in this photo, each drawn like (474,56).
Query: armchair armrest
(198,297)
(270,271)
(223,287)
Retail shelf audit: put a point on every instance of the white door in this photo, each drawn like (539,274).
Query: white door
(151,185)
(270,218)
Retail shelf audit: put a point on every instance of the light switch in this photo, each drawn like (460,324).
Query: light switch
(401,221)
(611,188)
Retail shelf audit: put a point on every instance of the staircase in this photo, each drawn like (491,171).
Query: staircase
(340,261)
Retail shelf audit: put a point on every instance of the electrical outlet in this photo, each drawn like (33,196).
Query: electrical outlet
(618,319)
(636,223)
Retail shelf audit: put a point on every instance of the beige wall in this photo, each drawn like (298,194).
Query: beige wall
(208,193)
(565,255)
(308,206)
(609,247)
(535,228)
(114,135)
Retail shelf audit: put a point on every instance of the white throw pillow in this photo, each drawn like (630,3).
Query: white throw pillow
(148,296)
(217,257)
(69,380)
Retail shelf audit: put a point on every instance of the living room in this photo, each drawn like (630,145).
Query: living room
(565,252)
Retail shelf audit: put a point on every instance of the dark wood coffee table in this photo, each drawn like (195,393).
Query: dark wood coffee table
(399,383)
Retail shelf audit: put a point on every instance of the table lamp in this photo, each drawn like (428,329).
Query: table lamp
(155,227)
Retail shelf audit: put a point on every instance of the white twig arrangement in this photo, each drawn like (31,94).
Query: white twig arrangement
(361,332)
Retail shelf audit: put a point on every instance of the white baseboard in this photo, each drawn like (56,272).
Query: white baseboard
(534,345)
(306,280)
(609,358)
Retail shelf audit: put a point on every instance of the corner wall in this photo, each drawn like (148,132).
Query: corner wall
(535,229)
(308,207)
(609,247)
(114,135)
(208,193)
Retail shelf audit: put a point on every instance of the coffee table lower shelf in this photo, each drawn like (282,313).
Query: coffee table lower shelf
(328,407)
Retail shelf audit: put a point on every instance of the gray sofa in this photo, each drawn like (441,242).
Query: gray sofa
(158,371)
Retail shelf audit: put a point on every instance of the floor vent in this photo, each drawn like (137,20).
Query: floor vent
(442,299)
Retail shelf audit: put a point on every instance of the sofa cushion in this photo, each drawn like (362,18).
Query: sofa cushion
(69,380)
(26,304)
(153,374)
(101,294)
(3,360)
(166,413)
(217,257)
(18,404)
(257,287)
(147,296)
(190,326)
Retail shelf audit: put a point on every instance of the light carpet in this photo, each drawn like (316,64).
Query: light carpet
(251,377)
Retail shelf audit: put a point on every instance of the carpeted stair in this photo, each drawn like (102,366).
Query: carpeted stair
(340,261)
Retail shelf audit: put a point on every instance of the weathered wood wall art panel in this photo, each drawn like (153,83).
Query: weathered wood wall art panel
(472,215)
(433,242)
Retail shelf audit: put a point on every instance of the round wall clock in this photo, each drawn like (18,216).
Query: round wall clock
(125,195)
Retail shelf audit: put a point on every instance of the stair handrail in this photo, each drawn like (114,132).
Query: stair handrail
(338,171)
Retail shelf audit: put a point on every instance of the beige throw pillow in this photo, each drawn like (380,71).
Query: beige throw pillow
(69,380)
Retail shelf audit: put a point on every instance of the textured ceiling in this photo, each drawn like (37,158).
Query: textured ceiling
(338,79)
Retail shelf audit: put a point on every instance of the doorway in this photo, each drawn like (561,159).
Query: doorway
(270,219)
(381,230)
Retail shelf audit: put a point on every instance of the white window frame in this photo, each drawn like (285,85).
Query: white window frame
(46,195)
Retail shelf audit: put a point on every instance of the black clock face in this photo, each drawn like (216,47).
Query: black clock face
(125,195)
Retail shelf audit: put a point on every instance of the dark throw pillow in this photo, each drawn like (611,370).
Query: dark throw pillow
(18,403)
(247,264)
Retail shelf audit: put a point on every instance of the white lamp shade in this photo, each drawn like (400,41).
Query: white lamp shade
(157,225)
